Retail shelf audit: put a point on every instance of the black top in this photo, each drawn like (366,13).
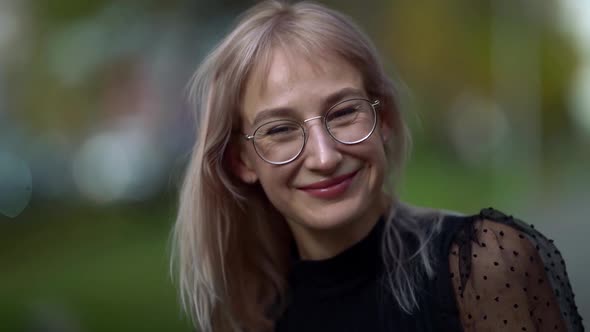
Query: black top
(493,273)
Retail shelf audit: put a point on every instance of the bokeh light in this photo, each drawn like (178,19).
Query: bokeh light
(479,129)
(117,167)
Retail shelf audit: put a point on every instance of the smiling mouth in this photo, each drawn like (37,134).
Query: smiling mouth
(329,182)
(330,188)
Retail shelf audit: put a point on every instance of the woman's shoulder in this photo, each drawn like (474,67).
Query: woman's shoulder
(495,234)
(499,261)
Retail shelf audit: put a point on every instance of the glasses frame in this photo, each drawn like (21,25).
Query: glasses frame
(301,124)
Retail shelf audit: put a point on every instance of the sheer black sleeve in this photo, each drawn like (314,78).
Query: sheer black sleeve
(509,277)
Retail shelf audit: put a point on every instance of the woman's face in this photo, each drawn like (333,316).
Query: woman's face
(330,185)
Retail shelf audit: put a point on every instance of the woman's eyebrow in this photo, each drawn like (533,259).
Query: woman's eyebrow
(328,102)
(279,112)
(339,95)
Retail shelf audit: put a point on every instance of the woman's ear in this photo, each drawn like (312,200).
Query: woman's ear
(239,163)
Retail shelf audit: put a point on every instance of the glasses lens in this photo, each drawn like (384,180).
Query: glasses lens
(351,121)
(279,141)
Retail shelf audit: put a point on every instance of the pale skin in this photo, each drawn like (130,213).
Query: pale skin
(297,90)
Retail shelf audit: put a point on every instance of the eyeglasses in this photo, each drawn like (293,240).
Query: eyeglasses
(349,122)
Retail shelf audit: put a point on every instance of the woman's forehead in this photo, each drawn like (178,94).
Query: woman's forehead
(298,84)
(285,64)
(281,67)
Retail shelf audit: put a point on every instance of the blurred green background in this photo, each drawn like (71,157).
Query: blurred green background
(95,134)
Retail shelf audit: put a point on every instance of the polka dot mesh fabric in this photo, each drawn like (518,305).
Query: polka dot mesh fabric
(509,277)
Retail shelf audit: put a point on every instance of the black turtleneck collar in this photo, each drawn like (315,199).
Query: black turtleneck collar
(356,264)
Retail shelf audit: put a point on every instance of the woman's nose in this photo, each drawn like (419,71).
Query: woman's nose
(321,153)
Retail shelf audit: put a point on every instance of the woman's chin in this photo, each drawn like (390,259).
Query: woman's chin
(335,216)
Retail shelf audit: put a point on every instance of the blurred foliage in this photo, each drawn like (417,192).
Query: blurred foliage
(93,268)
(442,49)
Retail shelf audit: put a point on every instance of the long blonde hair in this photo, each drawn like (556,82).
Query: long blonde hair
(232,248)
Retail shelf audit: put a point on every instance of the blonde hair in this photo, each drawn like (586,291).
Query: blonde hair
(232,247)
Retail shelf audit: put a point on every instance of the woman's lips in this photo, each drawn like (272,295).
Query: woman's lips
(330,188)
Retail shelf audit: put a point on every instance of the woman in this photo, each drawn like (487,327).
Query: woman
(286,222)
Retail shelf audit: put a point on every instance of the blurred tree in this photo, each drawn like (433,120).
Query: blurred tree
(441,49)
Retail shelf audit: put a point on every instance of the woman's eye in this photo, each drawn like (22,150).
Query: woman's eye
(342,113)
(279,130)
